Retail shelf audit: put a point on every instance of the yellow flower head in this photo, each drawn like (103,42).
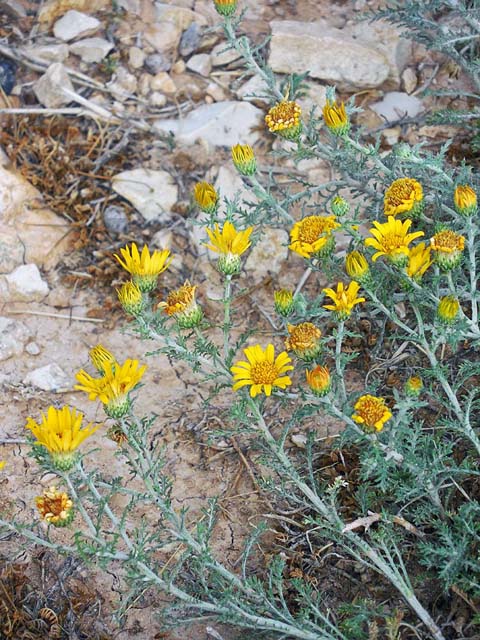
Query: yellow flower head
(2,464)
(113,388)
(231,244)
(206,197)
(448,309)
(225,8)
(312,236)
(262,371)
(404,195)
(371,412)
(182,306)
(319,380)
(356,266)
(284,119)
(284,302)
(414,386)
(336,118)
(465,200)
(304,340)
(61,433)
(448,247)
(55,507)
(391,239)
(244,159)
(419,260)
(143,267)
(344,299)
(131,298)
(99,355)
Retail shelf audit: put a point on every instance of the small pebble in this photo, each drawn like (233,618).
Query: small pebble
(156,62)
(32,348)
(190,40)
(7,75)
(115,219)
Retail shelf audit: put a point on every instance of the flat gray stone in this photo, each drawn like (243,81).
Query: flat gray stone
(396,105)
(75,24)
(49,378)
(152,193)
(49,87)
(92,49)
(222,124)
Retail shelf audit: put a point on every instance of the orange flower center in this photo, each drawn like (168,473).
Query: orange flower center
(391,242)
(312,228)
(400,191)
(448,241)
(284,115)
(303,336)
(371,410)
(264,373)
(54,505)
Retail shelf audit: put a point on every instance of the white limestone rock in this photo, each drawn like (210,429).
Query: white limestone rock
(49,88)
(152,193)
(25,284)
(75,24)
(200,63)
(92,49)
(48,52)
(359,56)
(396,105)
(13,335)
(48,378)
(222,124)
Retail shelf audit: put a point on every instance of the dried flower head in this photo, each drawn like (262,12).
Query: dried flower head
(344,299)
(356,266)
(312,237)
(55,507)
(99,355)
(465,199)
(447,310)
(61,433)
(284,119)
(143,267)
(448,247)
(244,159)
(231,244)
(284,302)
(181,305)
(131,298)
(206,197)
(391,239)
(371,412)
(116,434)
(225,8)
(304,340)
(336,118)
(404,195)
(319,380)
(262,371)
(419,259)
(114,387)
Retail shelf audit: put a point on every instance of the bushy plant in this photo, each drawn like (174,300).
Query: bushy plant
(412,267)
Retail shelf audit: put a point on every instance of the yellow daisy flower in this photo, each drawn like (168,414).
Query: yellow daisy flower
(356,266)
(182,306)
(404,195)
(99,355)
(131,299)
(144,268)
(336,118)
(319,380)
(448,247)
(284,119)
(262,371)
(284,302)
(344,299)
(391,239)
(231,244)
(419,259)
(371,412)
(55,507)
(206,197)
(465,200)
(61,433)
(244,159)
(304,340)
(312,236)
(113,388)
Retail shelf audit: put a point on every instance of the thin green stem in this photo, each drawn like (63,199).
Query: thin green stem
(227,324)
